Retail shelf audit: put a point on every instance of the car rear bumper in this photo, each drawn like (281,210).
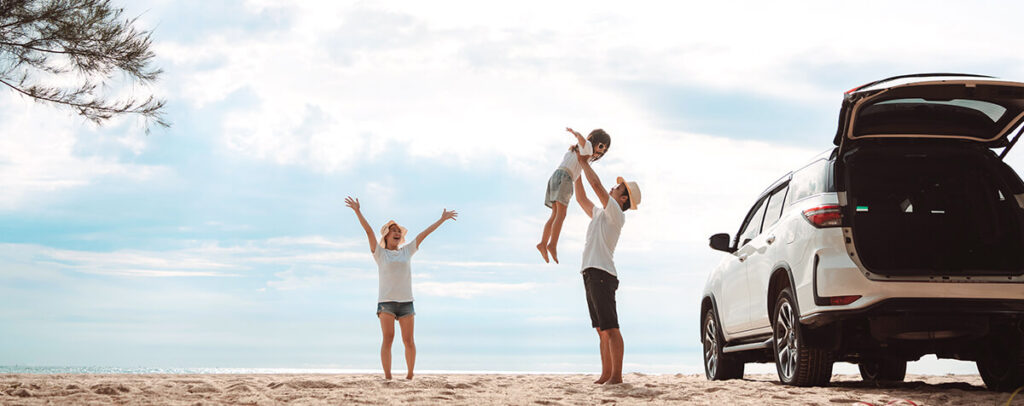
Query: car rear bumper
(924,308)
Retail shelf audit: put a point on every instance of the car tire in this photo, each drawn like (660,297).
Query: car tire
(1001,363)
(875,370)
(797,363)
(718,366)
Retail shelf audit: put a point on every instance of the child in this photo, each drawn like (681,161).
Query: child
(560,186)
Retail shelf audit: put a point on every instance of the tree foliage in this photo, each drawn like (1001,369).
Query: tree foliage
(67,52)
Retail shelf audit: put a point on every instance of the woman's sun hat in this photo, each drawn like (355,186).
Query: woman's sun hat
(387,228)
(633,190)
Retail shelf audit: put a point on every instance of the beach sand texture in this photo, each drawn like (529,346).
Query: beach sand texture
(349,389)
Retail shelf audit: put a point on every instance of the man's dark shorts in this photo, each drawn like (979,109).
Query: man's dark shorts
(601,287)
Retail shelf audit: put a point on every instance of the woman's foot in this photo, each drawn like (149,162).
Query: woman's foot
(601,380)
(387,376)
(553,250)
(543,252)
(409,376)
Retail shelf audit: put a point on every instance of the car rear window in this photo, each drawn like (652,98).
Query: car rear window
(992,110)
(911,116)
(813,179)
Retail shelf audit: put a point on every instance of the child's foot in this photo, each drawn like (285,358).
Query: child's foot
(553,250)
(543,252)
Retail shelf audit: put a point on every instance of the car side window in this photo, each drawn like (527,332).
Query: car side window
(811,180)
(774,208)
(752,225)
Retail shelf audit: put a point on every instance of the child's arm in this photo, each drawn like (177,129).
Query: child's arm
(581,197)
(445,215)
(579,138)
(354,204)
(595,182)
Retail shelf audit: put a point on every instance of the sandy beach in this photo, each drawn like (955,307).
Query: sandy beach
(261,389)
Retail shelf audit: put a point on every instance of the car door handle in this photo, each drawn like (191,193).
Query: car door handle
(770,239)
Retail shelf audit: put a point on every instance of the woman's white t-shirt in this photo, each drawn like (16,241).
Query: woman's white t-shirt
(571,164)
(395,273)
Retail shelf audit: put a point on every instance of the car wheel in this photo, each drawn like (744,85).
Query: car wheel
(874,370)
(797,363)
(717,365)
(1001,365)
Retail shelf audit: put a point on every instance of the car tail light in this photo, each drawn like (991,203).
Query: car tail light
(824,216)
(842,300)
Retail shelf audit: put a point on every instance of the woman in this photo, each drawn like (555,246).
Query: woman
(394,299)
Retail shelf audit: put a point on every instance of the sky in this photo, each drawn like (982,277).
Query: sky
(224,241)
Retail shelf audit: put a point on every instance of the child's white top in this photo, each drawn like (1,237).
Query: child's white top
(570,163)
(395,273)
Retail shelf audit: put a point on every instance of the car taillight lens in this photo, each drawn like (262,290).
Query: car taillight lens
(824,216)
(842,300)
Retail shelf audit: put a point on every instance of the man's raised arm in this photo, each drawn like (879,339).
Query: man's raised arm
(581,197)
(595,182)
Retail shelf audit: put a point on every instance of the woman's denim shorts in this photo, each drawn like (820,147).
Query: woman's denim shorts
(397,309)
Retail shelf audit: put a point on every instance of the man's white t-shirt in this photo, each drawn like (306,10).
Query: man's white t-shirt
(395,273)
(571,164)
(602,236)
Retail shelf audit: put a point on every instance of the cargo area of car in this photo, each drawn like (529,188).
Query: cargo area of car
(939,210)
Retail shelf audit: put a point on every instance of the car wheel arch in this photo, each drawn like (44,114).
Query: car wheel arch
(709,303)
(782,276)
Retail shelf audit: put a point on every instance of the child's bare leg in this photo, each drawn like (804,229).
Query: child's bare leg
(543,246)
(556,229)
(387,328)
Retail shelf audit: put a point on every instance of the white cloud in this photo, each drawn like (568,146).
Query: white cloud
(469,290)
(38,153)
(479,82)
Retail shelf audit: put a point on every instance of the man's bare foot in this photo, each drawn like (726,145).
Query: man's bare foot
(543,252)
(601,380)
(553,250)
(409,376)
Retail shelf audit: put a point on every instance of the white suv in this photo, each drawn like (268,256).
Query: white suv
(906,239)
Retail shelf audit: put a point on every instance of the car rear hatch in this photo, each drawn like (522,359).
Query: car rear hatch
(922,189)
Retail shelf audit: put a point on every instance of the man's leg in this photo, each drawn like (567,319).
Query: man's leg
(606,358)
(387,329)
(406,323)
(616,350)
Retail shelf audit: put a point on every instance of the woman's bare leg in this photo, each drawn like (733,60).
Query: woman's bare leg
(387,329)
(556,228)
(406,323)
(543,246)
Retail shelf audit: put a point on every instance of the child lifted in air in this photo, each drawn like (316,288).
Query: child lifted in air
(560,186)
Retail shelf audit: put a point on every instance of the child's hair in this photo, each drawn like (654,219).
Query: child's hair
(595,137)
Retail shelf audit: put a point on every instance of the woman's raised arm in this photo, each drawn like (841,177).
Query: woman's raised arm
(445,215)
(354,204)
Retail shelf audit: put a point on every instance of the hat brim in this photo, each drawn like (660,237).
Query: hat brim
(387,229)
(629,191)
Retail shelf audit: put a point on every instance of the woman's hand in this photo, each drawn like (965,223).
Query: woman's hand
(353,203)
(446,214)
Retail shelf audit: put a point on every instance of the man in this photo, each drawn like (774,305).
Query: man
(599,276)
